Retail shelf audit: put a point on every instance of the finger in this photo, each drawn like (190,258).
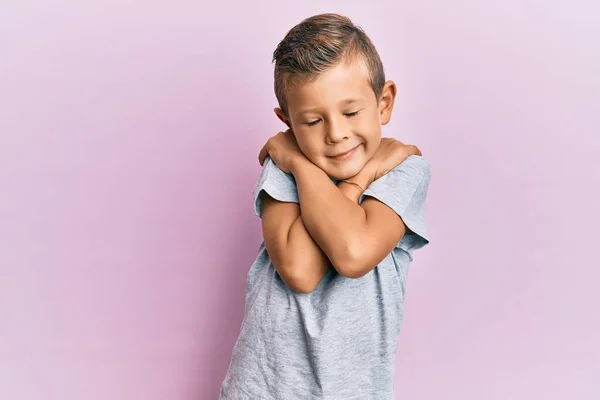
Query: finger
(290,135)
(411,149)
(416,150)
(262,155)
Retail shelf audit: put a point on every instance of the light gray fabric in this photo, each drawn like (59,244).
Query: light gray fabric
(338,342)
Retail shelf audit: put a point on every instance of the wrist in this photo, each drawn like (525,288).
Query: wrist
(364,178)
(298,164)
(354,184)
(351,190)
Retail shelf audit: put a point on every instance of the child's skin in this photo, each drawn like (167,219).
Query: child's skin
(327,117)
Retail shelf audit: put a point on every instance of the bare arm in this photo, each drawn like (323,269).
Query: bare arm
(354,237)
(299,261)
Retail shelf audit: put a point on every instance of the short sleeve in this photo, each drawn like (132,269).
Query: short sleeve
(276,183)
(404,189)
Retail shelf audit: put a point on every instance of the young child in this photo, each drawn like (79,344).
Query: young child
(342,212)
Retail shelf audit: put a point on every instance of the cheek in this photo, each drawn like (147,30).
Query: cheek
(369,125)
(373,145)
(308,144)
(371,133)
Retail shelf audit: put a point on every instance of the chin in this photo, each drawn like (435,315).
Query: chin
(344,171)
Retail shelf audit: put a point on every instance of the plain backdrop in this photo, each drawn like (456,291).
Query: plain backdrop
(129,135)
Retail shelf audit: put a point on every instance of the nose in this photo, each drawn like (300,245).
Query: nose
(336,132)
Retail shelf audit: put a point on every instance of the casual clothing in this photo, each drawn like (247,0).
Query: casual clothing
(338,342)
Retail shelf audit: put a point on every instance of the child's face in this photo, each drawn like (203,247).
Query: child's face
(337,119)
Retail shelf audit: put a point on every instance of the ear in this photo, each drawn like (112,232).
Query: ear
(281,115)
(386,102)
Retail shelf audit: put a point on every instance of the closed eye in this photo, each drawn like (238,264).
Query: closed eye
(349,115)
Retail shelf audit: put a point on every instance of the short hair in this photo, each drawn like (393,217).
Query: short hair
(319,43)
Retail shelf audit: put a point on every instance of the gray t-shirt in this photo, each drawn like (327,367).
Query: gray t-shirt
(338,342)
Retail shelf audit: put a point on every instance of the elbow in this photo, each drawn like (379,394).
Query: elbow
(295,280)
(303,288)
(353,262)
(354,270)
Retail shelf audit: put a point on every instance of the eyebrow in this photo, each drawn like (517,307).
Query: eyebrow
(341,103)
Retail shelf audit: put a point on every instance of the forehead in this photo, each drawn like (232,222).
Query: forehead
(346,81)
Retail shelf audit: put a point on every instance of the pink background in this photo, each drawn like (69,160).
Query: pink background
(129,137)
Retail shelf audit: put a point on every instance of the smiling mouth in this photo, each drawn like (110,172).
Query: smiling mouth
(345,155)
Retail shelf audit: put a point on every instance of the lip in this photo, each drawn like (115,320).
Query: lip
(346,155)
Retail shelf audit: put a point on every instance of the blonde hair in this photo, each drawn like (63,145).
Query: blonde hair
(319,43)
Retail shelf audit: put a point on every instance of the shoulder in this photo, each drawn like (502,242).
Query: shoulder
(406,177)
(276,183)
(415,165)
(274,177)
(404,190)
(270,170)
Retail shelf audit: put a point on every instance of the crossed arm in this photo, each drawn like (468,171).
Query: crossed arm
(328,228)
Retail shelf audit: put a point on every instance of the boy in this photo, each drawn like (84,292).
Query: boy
(324,296)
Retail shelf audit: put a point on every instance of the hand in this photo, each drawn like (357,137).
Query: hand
(283,150)
(390,154)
